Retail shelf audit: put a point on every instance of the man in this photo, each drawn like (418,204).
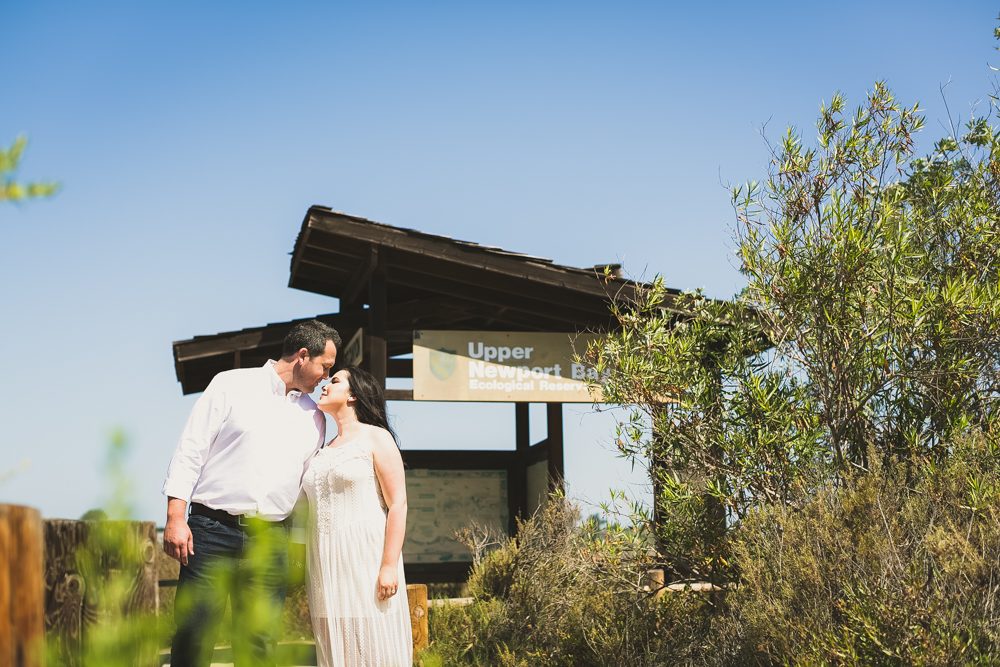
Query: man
(240,461)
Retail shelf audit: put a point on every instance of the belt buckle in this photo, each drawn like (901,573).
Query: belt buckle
(243,520)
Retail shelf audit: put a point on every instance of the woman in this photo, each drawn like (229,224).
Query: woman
(357,505)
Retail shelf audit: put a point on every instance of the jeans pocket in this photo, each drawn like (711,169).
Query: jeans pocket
(212,538)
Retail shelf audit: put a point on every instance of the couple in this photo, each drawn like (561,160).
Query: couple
(254,443)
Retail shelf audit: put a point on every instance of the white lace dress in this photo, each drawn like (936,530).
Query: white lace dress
(353,628)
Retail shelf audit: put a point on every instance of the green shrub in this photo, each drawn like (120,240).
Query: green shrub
(494,573)
(562,593)
(831,442)
(457,634)
(898,567)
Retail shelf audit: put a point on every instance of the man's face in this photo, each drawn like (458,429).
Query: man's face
(313,369)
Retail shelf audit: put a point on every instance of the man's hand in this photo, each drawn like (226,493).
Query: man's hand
(178,542)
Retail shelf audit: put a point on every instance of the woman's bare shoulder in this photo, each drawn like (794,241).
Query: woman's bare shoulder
(378,435)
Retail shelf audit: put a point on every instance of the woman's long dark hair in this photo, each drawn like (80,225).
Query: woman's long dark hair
(369,399)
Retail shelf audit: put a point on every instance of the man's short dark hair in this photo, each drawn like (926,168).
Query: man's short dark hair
(312,335)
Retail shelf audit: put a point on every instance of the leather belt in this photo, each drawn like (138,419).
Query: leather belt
(234,520)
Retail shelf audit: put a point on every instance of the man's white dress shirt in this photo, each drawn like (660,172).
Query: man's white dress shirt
(246,445)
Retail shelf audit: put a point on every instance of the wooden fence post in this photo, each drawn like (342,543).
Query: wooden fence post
(22,588)
(70,601)
(416,595)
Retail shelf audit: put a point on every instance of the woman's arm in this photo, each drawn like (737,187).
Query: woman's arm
(392,479)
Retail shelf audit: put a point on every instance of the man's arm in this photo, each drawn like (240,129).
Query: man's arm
(203,425)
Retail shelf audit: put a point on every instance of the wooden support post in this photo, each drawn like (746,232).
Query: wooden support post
(350,299)
(657,468)
(553,417)
(352,303)
(714,509)
(401,368)
(22,587)
(376,349)
(517,473)
(522,426)
(416,595)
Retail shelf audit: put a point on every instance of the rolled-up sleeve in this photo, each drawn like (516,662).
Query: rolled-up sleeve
(203,425)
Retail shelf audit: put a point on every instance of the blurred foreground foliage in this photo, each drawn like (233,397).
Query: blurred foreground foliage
(13,190)
(109,565)
(116,635)
(116,632)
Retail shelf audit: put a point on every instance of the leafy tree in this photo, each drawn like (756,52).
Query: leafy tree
(11,189)
(869,328)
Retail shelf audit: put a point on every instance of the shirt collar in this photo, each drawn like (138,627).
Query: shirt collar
(277,384)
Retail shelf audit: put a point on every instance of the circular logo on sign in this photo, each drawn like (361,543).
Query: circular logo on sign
(442,363)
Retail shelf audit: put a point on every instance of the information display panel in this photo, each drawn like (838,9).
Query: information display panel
(442,502)
(501,366)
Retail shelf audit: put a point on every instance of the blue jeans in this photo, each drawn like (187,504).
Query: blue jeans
(245,565)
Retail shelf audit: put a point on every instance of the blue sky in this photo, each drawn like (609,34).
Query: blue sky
(190,138)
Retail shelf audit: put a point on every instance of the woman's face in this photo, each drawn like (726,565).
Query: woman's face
(336,392)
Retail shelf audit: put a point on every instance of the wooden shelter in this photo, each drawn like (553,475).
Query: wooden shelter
(391,281)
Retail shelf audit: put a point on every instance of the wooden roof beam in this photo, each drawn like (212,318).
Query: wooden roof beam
(338,225)
(322,259)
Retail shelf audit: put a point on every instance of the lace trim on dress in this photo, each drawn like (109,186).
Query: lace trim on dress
(324,469)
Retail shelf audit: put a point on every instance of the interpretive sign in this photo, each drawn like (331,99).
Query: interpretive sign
(501,366)
(442,502)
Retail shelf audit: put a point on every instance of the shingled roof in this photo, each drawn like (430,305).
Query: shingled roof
(431,282)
